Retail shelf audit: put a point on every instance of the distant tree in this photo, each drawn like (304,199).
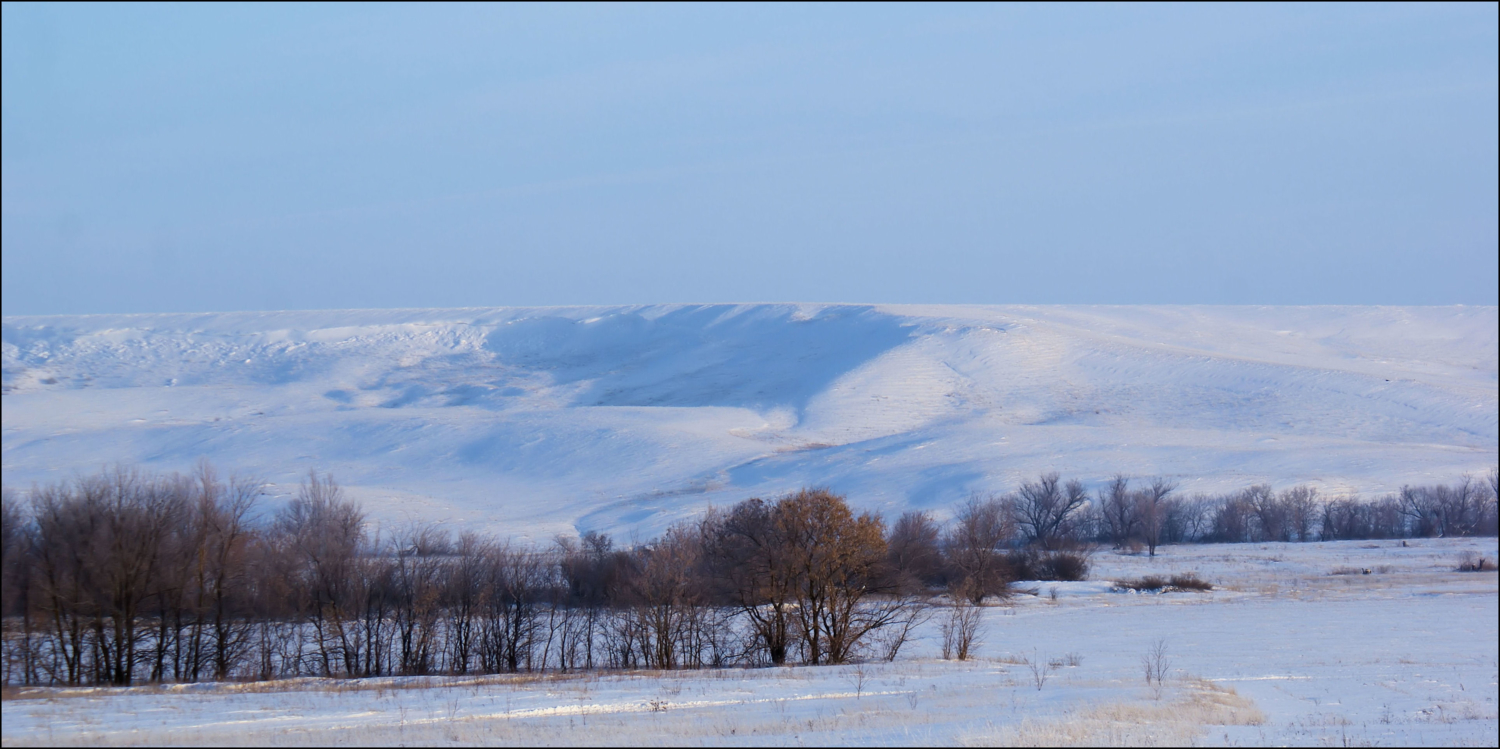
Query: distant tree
(515,582)
(1118,507)
(463,590)
(1344,518)
(416,586)
(1196,514)
(324,534)
(592,570)
(914,552)
(223,573)
(1490,517)
(1300,506)
(1420,509)
(1152,507)
(1269,514)
(1034,506)
(1044,508)
(665,594)
(17,581)
(973,548)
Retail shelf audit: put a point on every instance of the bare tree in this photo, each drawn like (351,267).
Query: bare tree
(593,576)
(416,588)
(905,613)
(1117,505)
(961,629)
(514,584)
(18,586)
(1232,519)
(973,547)
(1153,506)
(1044,508)
(914,552)
(747,552)
(1198,512)
(175,599)
(1041,668)
(1490,513)
(1419,508)
(1156,664)
(665,594)
(325,532)
(224,513)
(1460,506)
(1300,505)
(139,513)
(1343,518)
(64,575)
(462,600)
(99,555)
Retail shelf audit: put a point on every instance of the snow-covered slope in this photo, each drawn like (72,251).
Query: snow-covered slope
(547,420)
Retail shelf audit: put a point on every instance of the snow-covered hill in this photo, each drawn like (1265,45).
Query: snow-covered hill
(550,420)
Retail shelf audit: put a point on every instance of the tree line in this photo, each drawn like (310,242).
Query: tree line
(126,577)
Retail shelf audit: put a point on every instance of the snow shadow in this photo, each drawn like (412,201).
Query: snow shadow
(756,357)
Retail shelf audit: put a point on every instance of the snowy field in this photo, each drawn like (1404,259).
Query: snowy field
(533,422)
(1290,649)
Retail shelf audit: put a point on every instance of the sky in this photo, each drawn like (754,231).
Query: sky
(166,158)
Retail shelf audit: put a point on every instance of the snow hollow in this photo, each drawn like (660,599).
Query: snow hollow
(537,421)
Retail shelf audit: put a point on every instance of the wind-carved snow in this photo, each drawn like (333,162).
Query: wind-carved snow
(547,420)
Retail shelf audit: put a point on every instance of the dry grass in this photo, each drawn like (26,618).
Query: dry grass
(1177,723)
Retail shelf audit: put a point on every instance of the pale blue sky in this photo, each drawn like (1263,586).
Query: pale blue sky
(183,158)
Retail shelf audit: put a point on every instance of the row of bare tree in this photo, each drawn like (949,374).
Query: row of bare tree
(1049,516)
(1156,514)
(124,576)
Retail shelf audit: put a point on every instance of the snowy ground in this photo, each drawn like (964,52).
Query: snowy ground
(531,422)
(1286,651)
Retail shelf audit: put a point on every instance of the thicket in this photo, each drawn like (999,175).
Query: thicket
(125,577)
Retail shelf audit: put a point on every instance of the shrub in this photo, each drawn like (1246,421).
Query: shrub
(1149,582)
(1190,581)
(1031,563)
(1041,668)
(1068,566)
(961,630)
(1023,564)
(1471,561)
(1181,582)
